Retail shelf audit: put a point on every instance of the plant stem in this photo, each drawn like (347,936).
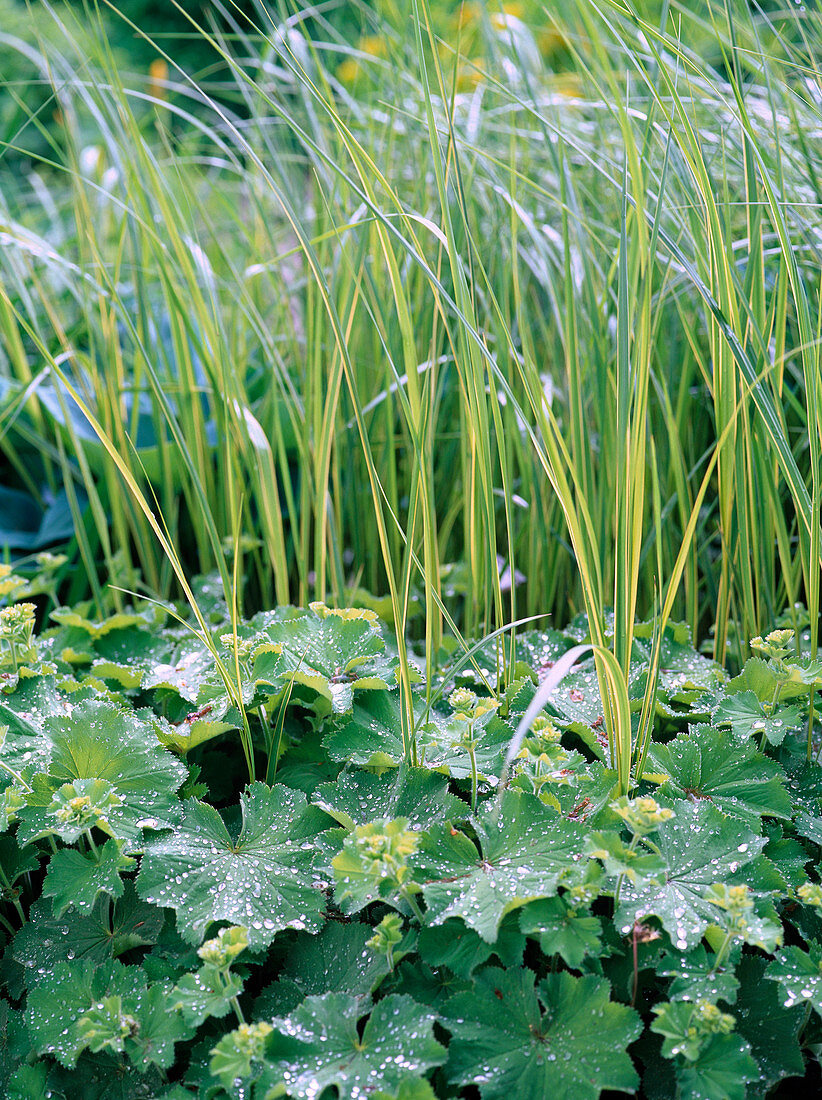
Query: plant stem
(238,1012)
(722,951)
(473,757)
(407,896)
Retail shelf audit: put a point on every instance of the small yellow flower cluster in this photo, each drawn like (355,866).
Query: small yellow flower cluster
(239,647)
(710,1020)
(810,893)
(250,1039)
(641,815)
(225,947)
(387,847)
(736,901)
(777,645)
(9,581)
(83,804)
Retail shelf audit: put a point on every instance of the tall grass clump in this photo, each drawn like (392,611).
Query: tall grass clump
(494,317)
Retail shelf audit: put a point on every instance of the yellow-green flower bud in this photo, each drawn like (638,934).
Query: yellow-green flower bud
(225,946)
(462,700)
(810,893)
(641,815)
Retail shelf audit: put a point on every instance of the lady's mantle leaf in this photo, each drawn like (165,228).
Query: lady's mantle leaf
(721,1072)
(15,861)
(567,1043)
(24,746)
(526,849)
(152,616)
(259,880)
(75,880)
(799,974)
(358,798)
(337,961)
(80,1005)
(771,1030)
(412,1088)
(696,977)
(699,846)
(318,1046)
(206,992)
(711,1062)
(462,950)
(372,736)
(191,664)
(712,764)
(747,717)
(101,741)
(107,932)
(332,651)
(62,996)
(563,931)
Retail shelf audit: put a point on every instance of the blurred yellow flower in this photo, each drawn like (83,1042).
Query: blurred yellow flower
(373,44)
(567,84)
(550,41)
(469,76)
(157,76)
(348,70)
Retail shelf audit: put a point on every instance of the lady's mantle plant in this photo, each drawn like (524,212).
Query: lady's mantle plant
(349,921)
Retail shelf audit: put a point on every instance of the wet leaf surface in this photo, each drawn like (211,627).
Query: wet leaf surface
(259,879)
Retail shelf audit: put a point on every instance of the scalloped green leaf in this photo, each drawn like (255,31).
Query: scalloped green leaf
(61,998)
(207,992)
(189,666)
(526,849)
(338,960)
(15,862)
(710,763)
(565,1040)
(319,1046)
(191,730)
(462,950)
(29,1083)
(260,879)
(699,846)
(152,616)
(765,680)
(101,741)
(715,1066)
(771,1029)
(334,652)
(409,1089)
(799,974)
(723,1070)
(81,1005)
(684,674)
(562,930)
(126,655)
(695,976)
(24,747)
(535,651)
(747,717)
(357,798)
(108,931)
(15,1044)
(372,736)
(74,880)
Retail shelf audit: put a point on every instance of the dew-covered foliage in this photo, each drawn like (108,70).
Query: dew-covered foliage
(361,909)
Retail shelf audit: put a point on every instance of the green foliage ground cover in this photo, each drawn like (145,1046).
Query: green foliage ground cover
(416,324)
(327,908)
